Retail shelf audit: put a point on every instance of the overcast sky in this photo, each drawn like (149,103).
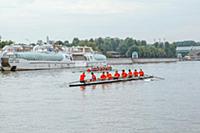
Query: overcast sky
(174,20)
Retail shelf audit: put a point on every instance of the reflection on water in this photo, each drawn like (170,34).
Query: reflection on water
(82,88)
(41,101)
(87,90)
(93,87)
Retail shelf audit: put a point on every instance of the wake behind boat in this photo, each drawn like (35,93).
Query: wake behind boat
(87,83)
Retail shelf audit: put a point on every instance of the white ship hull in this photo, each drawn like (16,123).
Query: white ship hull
(22,65)
(40,60)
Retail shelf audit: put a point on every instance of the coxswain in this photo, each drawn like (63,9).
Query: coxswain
(103,76)
(130,74)
(135,73)
(141,73)
(93,77)
(116,75)
(108,75)
(82,77)
(124,74)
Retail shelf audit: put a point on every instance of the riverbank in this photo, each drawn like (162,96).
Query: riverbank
(127,61)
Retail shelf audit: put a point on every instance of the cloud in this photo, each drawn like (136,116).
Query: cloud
(74,7)
(86,18)
(101,7)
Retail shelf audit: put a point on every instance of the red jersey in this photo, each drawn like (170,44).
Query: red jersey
(135,73)
(116,75)
(124,74)
(103,77)
(94,78)
(82,77)
(88,70)
(141,73)
(109,76)
(130,74)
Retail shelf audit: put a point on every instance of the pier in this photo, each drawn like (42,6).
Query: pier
(127,61)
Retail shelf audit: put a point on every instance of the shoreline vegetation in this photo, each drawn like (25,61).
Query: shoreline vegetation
(123,47)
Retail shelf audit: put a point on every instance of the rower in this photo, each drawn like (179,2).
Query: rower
(135,73)
(141,73)
(82,77)
(130,74)
(93,77)
(101,68)
(88,70)
(124,74)
(108,75)
(103,76)
(116,75)
(97,68)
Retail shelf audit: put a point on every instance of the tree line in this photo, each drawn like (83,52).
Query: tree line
(123,46)
(4,43)
(126,46)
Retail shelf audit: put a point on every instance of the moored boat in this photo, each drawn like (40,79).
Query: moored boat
(84,56)
(100,68)
(43,57)
(87,83)
(13,59)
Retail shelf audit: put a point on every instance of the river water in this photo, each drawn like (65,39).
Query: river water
(42,102)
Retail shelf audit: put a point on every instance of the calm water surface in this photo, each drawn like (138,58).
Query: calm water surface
(42,102)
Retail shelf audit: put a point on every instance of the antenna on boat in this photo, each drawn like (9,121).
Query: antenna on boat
(47,39)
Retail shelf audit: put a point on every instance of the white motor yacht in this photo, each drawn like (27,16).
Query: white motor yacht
(48,57)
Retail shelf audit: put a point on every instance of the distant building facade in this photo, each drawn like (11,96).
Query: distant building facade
(194,55)
(189,52)
(113,54)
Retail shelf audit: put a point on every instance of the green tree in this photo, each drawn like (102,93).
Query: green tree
(4,43)
(66,43)
(75,41)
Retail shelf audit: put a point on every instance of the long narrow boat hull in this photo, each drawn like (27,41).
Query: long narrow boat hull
(74,84)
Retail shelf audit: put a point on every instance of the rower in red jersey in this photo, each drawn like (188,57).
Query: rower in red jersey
(116,75)
(93,77)
(130,73)
(141,73)
(103,76)
(135,73)
(82,77)
(124,74)
(108,75)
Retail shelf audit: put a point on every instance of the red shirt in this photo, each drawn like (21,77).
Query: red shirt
(109,76)
(103,77)
(135,73)
(117,75)
(141,73)
(82,77)
(124,74)
(130,74)
(94,78)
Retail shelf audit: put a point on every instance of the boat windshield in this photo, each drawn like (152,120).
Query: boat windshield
(79,58)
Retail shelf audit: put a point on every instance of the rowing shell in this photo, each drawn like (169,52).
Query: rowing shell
(77,83)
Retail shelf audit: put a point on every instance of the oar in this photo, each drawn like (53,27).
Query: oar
(159,77)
